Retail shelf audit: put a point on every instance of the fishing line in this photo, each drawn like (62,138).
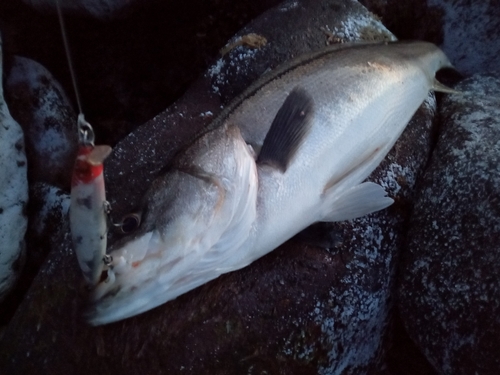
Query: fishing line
(85,131)
(68,55)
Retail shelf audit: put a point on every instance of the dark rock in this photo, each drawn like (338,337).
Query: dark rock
(403,356)
(407,18)
(47,216)
(468,32)
(100,9)
(38,102)
(40,105)
(131,68)
(450,289)
(471,33)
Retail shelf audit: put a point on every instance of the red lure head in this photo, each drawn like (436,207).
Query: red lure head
(84,171)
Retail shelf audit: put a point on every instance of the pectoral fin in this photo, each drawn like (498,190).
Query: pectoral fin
(358,201)
(288,130)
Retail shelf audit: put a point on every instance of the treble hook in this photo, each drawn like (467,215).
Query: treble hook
(85,132)
(128,223)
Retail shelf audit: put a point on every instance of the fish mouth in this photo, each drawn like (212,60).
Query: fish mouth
(198,217)
(155,274)
(137,276)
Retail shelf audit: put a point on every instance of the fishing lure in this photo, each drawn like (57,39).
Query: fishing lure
(88,213)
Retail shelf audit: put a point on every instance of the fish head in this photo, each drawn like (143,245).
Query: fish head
(190,217)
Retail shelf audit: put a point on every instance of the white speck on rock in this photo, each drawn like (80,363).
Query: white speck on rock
(354,28)
(240,58)
(216,68)
(289,6)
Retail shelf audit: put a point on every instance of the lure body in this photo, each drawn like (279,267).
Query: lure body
(87,213)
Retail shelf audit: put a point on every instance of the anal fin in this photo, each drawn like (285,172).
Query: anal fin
(288,130)
(358,201)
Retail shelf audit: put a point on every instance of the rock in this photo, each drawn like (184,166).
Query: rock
(13,197)
(40,105)
(470,33)
(467,32)
(302,309)
(100,9)
(54,206)
(48,217)
(407,19)
(403,356)
(450,288)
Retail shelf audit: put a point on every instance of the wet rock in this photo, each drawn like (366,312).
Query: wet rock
(13,197)
(40,105)
(450,289)
(471,33)
(47,217)
(407,19)
(403,355)
(468,32)
(100,9)
(53,208)
(300,310)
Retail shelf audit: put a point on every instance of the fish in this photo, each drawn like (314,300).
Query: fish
(88,211)
(292,150)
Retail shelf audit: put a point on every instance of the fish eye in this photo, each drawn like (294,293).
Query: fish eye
(130,222)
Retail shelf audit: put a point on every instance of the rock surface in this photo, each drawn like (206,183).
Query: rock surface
(40,105)
(468,32)
(100,9)
(450,285)
(302,309)
(13,197)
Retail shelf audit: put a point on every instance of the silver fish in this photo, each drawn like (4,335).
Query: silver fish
(321,124)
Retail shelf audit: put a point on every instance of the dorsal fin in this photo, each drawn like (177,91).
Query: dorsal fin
(288,130)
